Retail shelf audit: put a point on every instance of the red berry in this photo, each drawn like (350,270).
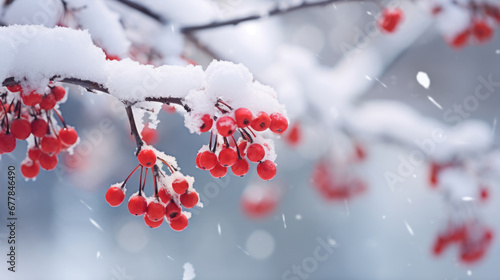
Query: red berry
(484,194)
(50,144)
(434,174)
(115,196)
(68,136)
(172,211)
(39,127)
(155,210)
(240,167)
(164,196)
(31,99)
(180,185)
(7,142)
(20,128)
(461,39)
(180,223)
(208,160)
(226,126)
(198,164)
(293,138)
(189,199)
(266,170)
(14,88)
(168,108)
(218,171)
(152,224)
(58,92)
(243,117)
(149,135)
(34,153)
(242,146)
(255,152)
(48,102)
(48,162)
(29,168)
(137,205)
(227,157)
(482,31)
(207,123)
(261,122)
(279,123)
(390,19)
(147,158)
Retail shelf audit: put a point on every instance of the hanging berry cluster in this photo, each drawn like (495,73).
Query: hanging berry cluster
(225,151)
(338,181)
(28,114)
(464,228)
(483,17)
(170,192)
(472,238)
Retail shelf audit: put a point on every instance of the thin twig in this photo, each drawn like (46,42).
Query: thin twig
(133,129)
(144,10)
(277,10)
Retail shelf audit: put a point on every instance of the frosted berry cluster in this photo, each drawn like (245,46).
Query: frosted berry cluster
(483,17)
(224,151)
(471,238)
(170,192)
(338,182)
(28,114)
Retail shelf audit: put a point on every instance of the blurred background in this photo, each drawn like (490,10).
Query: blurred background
(66,230)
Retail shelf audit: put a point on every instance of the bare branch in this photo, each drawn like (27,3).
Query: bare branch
(144,10)
(93,86)
(274,12)
(133,129)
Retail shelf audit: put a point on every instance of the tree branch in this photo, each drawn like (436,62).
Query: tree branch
(93,86)
(144,10)
(275,11)
(133,129)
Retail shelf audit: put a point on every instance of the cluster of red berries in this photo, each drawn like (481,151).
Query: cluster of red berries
(473,241)
(24,114)
(390,19)
(260,201)
(333,187)
(484,15)
(335,182)
(437,168)
(226,152)
(170,192)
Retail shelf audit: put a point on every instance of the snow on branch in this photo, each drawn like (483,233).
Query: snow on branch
(279,9)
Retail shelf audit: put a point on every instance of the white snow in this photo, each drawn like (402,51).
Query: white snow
(423,79)
(102,23)
(188,272)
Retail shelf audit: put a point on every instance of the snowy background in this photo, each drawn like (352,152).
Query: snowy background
(66,230)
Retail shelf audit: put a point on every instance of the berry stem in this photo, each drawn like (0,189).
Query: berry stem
(5,117)
(154,180)
(215,143)
(133,129)
(131,173)
(227,142)
(237,148)
(171,168)
(210,143)
(224,103)
(246,135)
(60,117)
(140,181)
(18,108)
(145,177)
